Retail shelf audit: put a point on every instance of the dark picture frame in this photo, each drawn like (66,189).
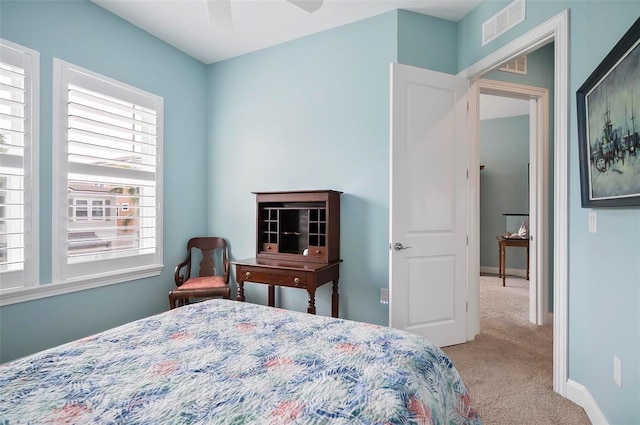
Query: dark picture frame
(608,107)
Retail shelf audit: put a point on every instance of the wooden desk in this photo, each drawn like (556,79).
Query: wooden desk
(503,243)
(292,274)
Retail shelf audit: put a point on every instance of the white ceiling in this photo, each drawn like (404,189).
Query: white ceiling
(256,24)
(492,107)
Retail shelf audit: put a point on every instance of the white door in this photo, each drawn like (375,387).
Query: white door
(428,231)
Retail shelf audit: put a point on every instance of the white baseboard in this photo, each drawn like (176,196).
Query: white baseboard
(580,395)
(510,272)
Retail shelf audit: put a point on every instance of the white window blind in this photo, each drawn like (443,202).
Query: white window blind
(19,91)
(109,153)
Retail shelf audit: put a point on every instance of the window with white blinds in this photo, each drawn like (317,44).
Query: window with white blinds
(19,92)
(108,150)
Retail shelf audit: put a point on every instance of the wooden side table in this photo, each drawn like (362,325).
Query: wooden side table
(503,243)
(292,274)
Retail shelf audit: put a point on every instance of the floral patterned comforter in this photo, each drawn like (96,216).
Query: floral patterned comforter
(226,362)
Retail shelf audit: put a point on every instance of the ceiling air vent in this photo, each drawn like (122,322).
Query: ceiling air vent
(502,21)
(517,66)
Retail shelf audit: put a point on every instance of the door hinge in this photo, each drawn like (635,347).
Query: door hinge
(467,307)
(467,240)
(467,174)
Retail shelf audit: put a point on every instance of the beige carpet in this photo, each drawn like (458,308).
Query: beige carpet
(508,367)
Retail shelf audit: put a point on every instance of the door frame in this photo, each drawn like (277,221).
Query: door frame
(538,194)
(554,30)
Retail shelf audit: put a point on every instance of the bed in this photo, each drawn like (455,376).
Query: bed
(227,362)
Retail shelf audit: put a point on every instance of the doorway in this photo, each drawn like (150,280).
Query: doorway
(504,144)
(538,194)
(554,30)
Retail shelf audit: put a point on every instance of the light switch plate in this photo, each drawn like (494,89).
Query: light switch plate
(617,371)
(384,296)
(593,222)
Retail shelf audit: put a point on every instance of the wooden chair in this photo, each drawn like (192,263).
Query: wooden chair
(208,283)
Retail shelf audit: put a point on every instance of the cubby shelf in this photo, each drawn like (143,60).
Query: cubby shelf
(302,225)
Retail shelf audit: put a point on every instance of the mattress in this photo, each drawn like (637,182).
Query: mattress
(227,362)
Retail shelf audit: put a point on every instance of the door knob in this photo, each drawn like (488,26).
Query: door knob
(399,247)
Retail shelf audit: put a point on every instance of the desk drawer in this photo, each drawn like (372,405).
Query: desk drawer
(270,247)
(317,251)
(281,278)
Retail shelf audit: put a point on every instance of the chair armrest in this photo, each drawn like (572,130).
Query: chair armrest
(179,278)
(226,264)
(226,272)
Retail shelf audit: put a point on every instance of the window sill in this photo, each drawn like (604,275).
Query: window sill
(30,293)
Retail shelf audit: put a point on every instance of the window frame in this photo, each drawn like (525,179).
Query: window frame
(109,271)
(28,277)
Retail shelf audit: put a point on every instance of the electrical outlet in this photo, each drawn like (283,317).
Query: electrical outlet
(593,222)
(384,296)
(617,371)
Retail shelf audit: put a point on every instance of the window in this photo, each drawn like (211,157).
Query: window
(97,210)
(107,152)
(79,209)
(19,91)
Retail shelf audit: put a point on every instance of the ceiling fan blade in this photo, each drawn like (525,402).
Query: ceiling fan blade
(308,5)
(220,13)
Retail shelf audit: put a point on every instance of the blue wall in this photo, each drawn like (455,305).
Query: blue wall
(314,114)
(504,151)
(309,114)
(86,35)
(604,271)
(427,42)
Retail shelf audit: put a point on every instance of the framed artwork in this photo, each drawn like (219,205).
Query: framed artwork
(608,106)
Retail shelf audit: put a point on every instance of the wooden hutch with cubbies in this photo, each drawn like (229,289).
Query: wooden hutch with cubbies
(297,244)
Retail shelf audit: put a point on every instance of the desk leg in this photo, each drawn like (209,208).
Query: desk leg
(240,296)
(311,309)
(503,263)
(272,295)
(334,299)
(527,261)
(499,260)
